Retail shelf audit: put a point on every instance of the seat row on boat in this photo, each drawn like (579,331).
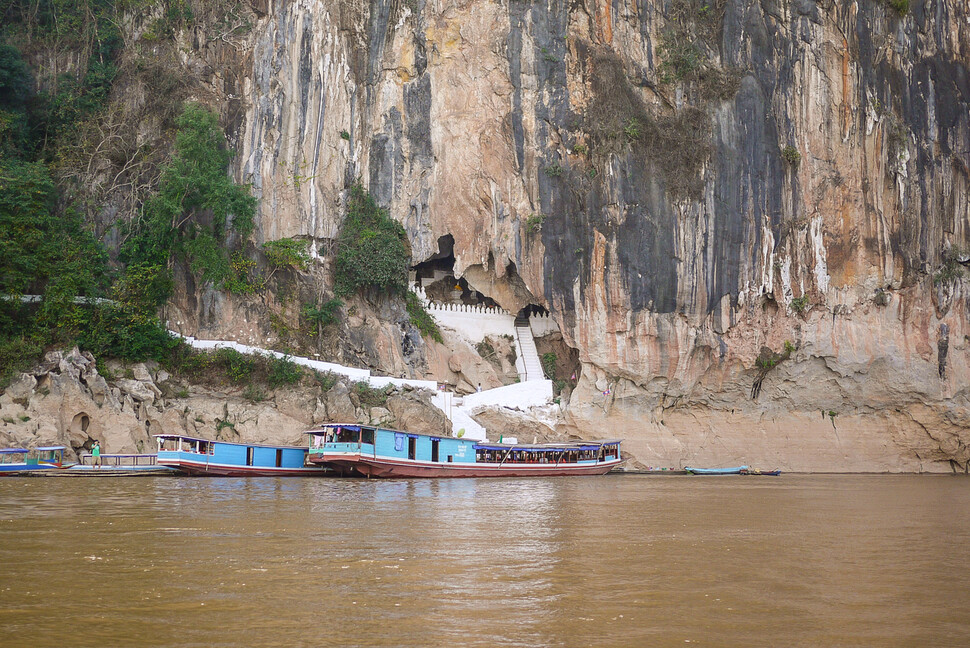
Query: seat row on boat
(334,449)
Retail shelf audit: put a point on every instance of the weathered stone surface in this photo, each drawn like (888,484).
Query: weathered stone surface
(340,408)
(140,372)
(502,421)
(137,390)
(380,416)
(413,414)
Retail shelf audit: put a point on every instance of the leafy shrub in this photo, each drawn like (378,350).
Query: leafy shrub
(421,318)
(373,250)
(791,155)
(632,129)
(143,288)
(371,396)
(951,268)
(254,394)
(326,379)
(534,222)
(16,356)
(680,57)
(323,315)
(901,7)
(284,371)
(287,252)
(549,361)
(553,170)
(112,331)
(799,304)
(238,366)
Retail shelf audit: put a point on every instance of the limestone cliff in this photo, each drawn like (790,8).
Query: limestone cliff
(691,187)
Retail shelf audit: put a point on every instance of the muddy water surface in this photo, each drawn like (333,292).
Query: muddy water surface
(611,561)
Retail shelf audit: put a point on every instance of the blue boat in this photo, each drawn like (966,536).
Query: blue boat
(375,452)
(195,456)
(716,471)
(21,461)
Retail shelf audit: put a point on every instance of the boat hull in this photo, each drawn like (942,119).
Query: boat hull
(112,471)
(716,471)
(203,469)
(19,470)
(389,468)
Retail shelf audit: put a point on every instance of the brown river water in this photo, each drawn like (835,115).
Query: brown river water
(795,560)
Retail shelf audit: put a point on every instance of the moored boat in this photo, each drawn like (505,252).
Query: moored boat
(755,471)
(116,465)
(375,452)
(21,461)
(716,471)
(195,456)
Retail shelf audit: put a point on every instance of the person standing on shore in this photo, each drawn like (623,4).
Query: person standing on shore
(96,454)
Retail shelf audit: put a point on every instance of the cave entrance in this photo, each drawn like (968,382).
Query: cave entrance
(529,311)
(436,276)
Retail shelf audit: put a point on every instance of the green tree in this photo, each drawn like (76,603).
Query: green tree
(323,316)
(372,248)
(196,205)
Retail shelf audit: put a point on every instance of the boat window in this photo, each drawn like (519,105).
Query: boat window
(367,436)
(434,449)
(348,436)
(450,459)
(249,456)
(279,457)
(412,447)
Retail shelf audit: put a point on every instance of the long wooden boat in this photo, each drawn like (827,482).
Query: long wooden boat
(375,452)
(195,456)
(716,471)
(21,461)
(116,465)
(755,471)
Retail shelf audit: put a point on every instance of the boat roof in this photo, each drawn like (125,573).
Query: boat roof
(51,448)
(13,450)
(485,445)
(185,437)
(540,447)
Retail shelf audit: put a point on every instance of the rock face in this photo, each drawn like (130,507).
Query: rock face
(65,401)
(680,183)
(814,155)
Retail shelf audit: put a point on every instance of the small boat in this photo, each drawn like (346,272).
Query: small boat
(116,465)
(375,452)
(755,471)
(194,456)
(21,461)
(739,470)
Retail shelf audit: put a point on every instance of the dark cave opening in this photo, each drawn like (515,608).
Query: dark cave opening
(436,277)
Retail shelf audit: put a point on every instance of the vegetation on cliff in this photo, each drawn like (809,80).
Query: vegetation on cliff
(56,129)
(196,208)
(373,249)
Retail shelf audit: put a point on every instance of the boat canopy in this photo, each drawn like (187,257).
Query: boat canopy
(13,450)
(192,439)
(546,447)
(46,448)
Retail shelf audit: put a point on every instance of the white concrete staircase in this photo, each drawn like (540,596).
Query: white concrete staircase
(531,365)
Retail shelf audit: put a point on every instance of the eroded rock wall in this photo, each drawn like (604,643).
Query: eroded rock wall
(798,174)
